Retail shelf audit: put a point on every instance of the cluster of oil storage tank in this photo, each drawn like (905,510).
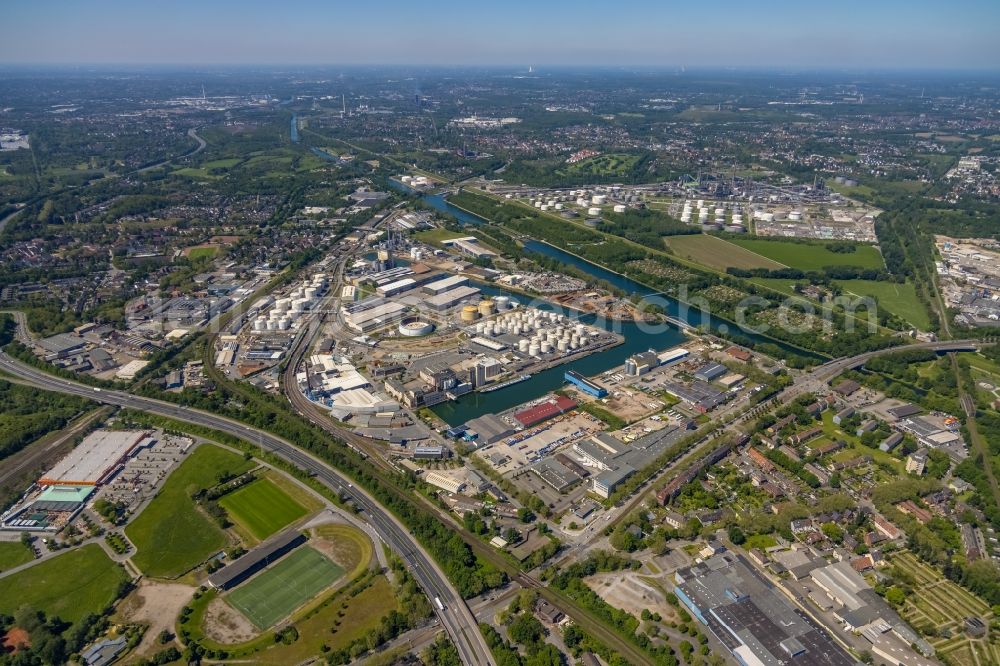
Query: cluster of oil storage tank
(556,202)
(288,309)
(735,225)
(540,332)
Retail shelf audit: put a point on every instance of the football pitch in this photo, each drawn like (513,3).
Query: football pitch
(262,508)
(278,591)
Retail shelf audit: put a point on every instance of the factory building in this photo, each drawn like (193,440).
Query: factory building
(485,371)
(450,298)
(585,385)
(639,364)
(544,411)
(446,284)
(97,458)
(369,319)
(445,482)
(751,618)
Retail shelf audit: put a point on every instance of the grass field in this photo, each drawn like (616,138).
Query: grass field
(335,624)
(717,253)
(938,603)
(262,508)
(811,256)
(279,590)
(201,252)
(171,535)
(899,299)
(13,553)
(69,586)
(435,236)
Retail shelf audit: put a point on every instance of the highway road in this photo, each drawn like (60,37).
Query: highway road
(456,617)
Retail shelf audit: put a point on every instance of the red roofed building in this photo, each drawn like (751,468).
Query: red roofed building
(761,460)
(545,410)
(886,528)
(739,354)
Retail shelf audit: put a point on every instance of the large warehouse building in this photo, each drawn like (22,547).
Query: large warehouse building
(96,458)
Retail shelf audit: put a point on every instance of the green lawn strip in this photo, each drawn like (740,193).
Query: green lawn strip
(280,589)
(14,553)
(262,508)
(69,586)
(171,535)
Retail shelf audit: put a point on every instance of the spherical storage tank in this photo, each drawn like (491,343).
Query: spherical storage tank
(470,313)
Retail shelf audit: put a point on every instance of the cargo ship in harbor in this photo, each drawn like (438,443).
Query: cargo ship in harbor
(503,385)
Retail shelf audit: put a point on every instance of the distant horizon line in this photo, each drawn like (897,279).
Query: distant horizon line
(674,68)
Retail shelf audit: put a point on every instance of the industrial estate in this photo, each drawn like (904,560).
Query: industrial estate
(500,366)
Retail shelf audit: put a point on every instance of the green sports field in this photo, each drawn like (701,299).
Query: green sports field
(278,591)
(811,256)
(262,508)
(171,535)
(69,586)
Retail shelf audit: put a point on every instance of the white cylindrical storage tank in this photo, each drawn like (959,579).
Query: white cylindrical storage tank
(720,211)
(584,340)
(311,292)
(574,345)
(260,324)
(701,203)
(559,206)
(562,346)
(502,302)
(480,327)
(544,207)
(533,349)
(284,324)
(579,329)
(593,211)
(546,347)
(522,346)
(581,202)
(619,208)
(538,204)
(599,199)
(272,324)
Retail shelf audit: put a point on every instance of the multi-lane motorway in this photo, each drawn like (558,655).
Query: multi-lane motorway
(455,616)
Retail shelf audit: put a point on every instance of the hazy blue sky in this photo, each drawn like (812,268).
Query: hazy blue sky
(851,33)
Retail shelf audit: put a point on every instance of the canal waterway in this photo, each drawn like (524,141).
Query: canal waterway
(639,337)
